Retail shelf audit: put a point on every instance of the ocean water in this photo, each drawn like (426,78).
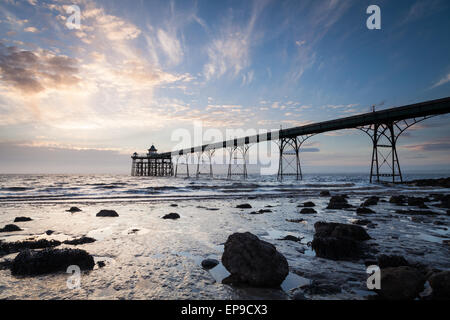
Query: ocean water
(147,257)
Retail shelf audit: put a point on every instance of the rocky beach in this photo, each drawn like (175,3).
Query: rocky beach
(218,239)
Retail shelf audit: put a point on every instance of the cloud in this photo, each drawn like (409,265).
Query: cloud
(229,52)
(171,46)
(31,30)
(33,72)
(439,145)
(441,82)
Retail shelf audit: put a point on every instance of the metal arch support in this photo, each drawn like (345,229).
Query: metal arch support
(200,158)
(295,143)
(186,156)
(389,132)
(238,153)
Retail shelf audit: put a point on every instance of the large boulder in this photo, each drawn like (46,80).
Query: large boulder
(107,213)
(32,263)
(253,261)
(391,261)
(400,283)
(338,202)
(440,283)
(337,241)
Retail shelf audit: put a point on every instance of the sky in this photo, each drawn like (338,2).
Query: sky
(82,100)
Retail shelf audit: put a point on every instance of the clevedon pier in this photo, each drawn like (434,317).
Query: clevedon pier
(383,127)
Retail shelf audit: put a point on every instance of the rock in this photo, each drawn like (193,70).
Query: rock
(372,201)
(107,213)
(400,283)
(79,241)
(291,238)
(442,182)
(10,228)
(32,263)
(398,200)
(308,211)
(13,247)
(49,232)
(439,223)
(340,230)
(309,204)
(174,205)
(338,241)
(325,193)
(391,261)
(253,261)
(74,209)
(172,216)
(22,219)
(446,242)
(440,283)
(265,211)
(338,202)
(364,210)
(209,263)
(101,264)
(361,222)
(413,201)
(319,288)
(255,212)
(244,206)
(295,220)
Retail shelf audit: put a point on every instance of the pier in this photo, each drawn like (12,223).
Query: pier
(383,127)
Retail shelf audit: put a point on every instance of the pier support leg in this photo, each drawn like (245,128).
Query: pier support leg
(205,157)
(182,160)
(385,162)
(290,157)
(238,154)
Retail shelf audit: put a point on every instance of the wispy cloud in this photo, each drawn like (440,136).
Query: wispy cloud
(442,81)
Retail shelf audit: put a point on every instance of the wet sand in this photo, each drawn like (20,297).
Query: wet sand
(147,257)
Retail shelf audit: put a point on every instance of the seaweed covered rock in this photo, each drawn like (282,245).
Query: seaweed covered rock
(440,283)
(391,261)
(171,216)
(400,283)
(107,213)
(253,261)
(338,202)
(308,211)
(82,240)
(337,241)
(372,201)
(398,200)
(13,247)
(30,263)
(22,219)
(309,204)
(10,228)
